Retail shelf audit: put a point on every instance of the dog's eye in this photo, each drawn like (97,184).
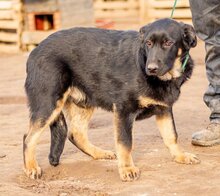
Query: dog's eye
(168,43)
(149,43)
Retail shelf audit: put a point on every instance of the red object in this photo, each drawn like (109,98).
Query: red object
(104,24)
(44,22)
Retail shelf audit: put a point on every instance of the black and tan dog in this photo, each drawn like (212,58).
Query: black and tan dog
(133,74)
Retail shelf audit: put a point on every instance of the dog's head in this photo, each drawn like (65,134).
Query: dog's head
(161,43)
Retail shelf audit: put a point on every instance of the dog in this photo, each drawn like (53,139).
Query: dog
(133,74)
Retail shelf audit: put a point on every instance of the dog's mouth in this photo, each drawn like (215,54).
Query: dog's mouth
(153,70)
(169,73)
(152,73)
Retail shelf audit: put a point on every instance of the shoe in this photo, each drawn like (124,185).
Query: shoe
(207,137)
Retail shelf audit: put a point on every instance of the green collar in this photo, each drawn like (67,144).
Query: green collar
(185,62)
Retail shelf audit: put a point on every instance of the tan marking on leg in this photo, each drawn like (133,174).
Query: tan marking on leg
(167,132)
(77,95)
(78,127)
(31,167)
(127,169)
(147,101)
(124,156)
(123,153)
(59,106)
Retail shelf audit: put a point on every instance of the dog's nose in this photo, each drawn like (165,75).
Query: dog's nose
(152,68)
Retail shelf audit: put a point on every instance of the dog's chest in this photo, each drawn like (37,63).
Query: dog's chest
(145,102)
(161,96)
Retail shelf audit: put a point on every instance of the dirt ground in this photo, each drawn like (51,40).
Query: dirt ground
(78,174)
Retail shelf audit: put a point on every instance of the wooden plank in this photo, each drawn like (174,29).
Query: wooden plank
(144,14)
(34,37)
(5,5)
(7,14)
(179,13)
(8,24)
(116,14)
(116,5)
(8,37)
(168,4)
(118,10)
(8,48)
(18,6)
(128,20)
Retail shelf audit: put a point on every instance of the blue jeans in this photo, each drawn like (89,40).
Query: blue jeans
(206,21)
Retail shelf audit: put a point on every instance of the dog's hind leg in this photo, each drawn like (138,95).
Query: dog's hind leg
(43,118)
(31,167)
(58,137)
(167,130)
(78,127)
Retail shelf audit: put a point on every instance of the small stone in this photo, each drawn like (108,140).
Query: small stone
(2,156)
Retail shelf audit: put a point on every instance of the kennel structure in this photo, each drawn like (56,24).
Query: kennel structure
(151,10)
(25,23)
(10,25)
(43,17)
(140,11)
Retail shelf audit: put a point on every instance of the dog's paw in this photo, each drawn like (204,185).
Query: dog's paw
(54,161)
(105,154)
(33,173)
(187,158)
(128,174)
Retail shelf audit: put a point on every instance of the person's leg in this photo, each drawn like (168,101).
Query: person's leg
(206,20)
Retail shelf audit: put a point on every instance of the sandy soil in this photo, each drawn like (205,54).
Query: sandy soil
(78,174)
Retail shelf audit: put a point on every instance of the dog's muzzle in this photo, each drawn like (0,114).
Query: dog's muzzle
(152,69)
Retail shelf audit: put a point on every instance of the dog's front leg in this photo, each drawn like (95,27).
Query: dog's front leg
(168,132)
(123,139)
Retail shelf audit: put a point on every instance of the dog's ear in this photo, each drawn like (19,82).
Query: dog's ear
(188,36)
(143,31)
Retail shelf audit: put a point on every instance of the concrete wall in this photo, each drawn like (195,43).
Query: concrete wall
(76,13)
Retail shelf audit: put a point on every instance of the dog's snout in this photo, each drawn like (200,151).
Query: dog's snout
(152,68)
